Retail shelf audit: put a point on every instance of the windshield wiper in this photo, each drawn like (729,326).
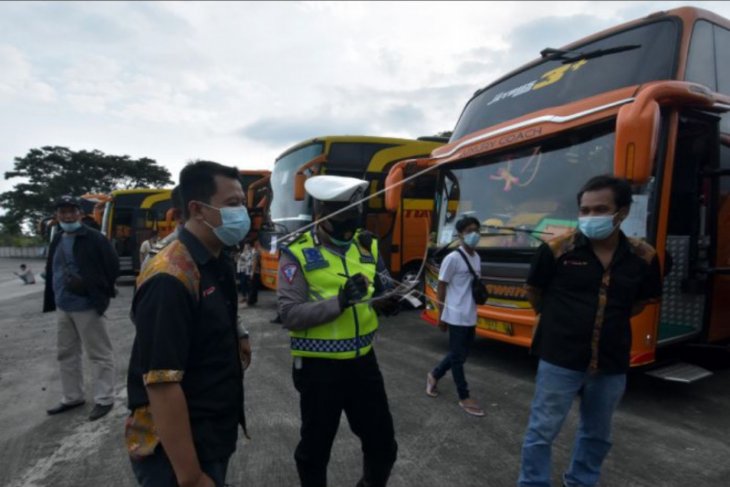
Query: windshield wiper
(551,54)
(514,229)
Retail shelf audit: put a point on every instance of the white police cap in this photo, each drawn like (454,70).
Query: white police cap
(335,188)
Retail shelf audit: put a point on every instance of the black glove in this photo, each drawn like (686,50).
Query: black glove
(355,288)
(389,306)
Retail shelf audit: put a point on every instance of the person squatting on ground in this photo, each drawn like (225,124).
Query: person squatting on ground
(25,274)
(81,271)
(458,312)
(185,380)
(585,286)
(326,278)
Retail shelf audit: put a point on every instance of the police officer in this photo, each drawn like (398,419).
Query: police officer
(327,277)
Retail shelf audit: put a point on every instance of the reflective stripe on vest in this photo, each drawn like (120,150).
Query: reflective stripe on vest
(350,334)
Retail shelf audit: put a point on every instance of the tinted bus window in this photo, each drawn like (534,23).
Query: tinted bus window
(722,55)
(352,159)
(554,83)
(701,59)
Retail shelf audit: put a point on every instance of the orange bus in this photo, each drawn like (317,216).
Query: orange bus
(649,101)
(402,233)
(255,183)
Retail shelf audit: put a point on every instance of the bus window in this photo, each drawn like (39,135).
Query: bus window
(288,214)
(554,83)
(352,159)
(722,55)
(701,59)
(518,188)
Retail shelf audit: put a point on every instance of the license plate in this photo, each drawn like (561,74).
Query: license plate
(497,326)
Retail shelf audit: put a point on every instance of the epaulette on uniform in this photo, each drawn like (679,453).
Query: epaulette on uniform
(642,249)
(563,244)
(175,260)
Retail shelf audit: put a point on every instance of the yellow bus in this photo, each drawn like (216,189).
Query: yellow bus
(648,101)
(402,233)
(130,217)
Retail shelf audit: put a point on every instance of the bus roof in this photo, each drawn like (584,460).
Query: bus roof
(136,198)
(356,139)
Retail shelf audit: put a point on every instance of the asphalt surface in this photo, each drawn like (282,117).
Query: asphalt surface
(664,434)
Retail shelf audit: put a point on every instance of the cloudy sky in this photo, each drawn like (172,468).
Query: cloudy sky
(241,82)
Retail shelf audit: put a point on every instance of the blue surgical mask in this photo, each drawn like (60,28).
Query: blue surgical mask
(70,227)
(471,239)
(597,227)
(235,224)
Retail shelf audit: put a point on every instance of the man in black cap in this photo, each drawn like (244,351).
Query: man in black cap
(80,273)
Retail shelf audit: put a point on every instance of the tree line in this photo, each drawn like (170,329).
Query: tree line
(48,172)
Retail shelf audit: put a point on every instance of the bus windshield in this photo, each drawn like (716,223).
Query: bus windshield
(644,53)
(285,210)
(526,196)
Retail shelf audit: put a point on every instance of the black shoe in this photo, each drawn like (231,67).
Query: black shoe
(63,407)
(276,320)
(99,411)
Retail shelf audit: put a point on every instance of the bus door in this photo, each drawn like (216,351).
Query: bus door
(692,232)
(718,180)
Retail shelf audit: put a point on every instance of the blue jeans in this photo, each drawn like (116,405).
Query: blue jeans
(555,389)
(156,470)
(460,338)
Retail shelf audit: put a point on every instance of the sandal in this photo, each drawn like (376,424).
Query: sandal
(472,409)
(431,386)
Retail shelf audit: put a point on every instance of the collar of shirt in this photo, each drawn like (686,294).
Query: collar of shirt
(623,247)
(197,250)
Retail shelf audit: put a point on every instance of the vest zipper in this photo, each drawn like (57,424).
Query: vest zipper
(354,312)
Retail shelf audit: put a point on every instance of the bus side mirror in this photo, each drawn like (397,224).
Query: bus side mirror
(299,191)
(394,187)
(250,196)
(637,137)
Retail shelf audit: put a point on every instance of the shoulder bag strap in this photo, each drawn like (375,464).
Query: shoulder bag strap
(471,269)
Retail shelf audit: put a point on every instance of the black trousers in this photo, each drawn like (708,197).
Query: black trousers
(328,387)
(253,288)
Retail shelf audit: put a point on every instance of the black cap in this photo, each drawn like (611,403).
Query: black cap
(67,200)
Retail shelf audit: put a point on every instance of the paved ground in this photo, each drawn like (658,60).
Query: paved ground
(665,434)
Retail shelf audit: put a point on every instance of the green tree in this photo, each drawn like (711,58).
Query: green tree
(52,171)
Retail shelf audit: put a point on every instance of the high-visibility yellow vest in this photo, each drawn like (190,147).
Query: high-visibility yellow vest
(351,334)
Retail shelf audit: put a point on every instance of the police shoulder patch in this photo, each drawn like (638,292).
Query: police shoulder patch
(289,271)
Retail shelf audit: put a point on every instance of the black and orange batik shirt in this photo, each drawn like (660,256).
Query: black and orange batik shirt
(584,323)
(185,313)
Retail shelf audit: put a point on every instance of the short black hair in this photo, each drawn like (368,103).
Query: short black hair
(22,266)
(176,199)
(197,181)
(465,221)
(621,188)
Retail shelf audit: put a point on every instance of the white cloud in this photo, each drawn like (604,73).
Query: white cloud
(239,82)
(18,79)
